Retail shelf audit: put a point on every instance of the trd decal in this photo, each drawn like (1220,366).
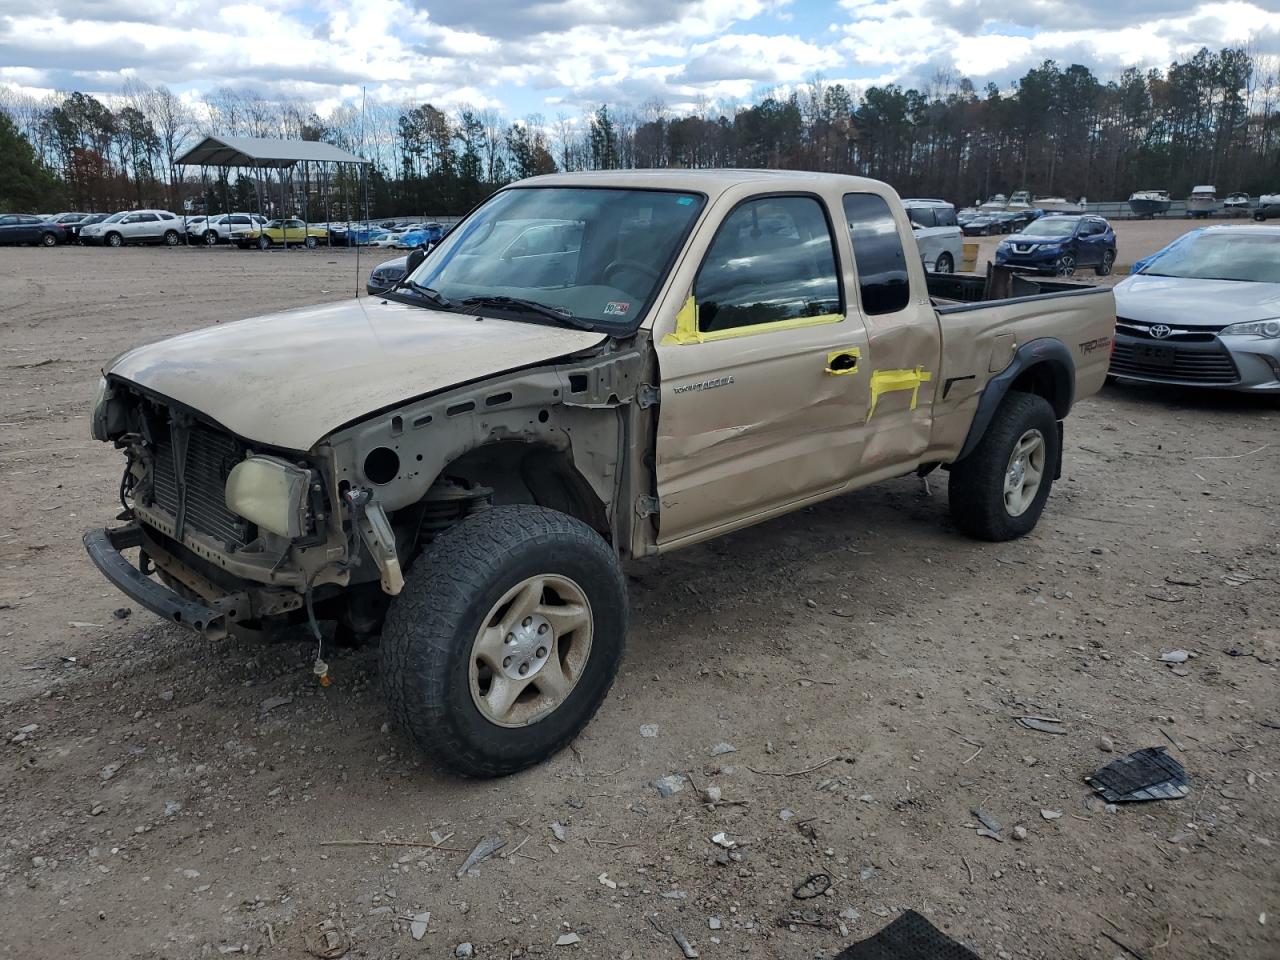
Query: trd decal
(1089,346)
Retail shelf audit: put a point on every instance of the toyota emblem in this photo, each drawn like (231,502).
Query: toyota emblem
(1161,330)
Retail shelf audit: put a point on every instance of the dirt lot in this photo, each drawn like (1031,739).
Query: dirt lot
(162,797)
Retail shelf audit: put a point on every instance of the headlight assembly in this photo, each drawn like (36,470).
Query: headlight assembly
(270,493)
(98,411)
(1255,328)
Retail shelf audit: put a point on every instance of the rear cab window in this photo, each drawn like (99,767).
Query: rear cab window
(772,262)
(883,283)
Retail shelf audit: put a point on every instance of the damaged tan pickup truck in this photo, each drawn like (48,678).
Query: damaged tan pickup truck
(590,368)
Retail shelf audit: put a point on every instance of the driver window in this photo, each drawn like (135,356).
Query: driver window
(772,259)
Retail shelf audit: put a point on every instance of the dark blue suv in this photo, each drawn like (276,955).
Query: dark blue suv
(1060,245)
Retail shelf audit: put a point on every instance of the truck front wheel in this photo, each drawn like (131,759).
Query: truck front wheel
(999,491)
(505,639)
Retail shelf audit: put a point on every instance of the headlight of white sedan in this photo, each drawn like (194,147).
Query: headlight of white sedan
(270,493)
(1254,328)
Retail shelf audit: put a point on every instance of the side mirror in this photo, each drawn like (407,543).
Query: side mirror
(415,260)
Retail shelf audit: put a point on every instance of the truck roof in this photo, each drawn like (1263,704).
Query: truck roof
(710,182)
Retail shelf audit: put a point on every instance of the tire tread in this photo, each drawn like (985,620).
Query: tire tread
(440,588)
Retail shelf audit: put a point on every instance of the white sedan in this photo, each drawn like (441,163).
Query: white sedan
(1204,312)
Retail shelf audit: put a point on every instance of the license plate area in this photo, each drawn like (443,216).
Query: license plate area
(1155,354)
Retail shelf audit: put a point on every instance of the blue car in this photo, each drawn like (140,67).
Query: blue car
(425,236)
(1061,245)
(1140,264)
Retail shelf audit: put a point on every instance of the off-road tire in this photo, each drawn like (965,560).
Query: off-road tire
(427,638)
(976,489)
(1108,261)
(114,240)
(944,264)
(48,240)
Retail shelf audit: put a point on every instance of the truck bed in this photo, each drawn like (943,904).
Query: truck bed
(954,292)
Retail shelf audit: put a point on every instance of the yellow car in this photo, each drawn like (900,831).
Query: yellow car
(285,232)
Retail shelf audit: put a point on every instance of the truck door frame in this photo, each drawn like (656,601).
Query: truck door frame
(739,457)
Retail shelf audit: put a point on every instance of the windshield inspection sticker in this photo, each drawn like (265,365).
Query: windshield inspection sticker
(617,308)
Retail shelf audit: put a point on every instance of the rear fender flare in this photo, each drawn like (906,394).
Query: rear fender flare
(1061,377)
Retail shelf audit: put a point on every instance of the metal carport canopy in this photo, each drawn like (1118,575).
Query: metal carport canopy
(261,152)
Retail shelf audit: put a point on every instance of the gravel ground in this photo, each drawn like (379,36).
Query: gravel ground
(163,797)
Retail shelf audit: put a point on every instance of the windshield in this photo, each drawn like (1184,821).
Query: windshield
(1222,256)
(599,254)
(1050,227)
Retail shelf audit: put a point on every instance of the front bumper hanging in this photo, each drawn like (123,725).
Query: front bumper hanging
(105,546)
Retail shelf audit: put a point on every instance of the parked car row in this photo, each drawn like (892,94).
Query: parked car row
(245,230)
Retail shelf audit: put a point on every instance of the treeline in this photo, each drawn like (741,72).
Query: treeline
(1057,131)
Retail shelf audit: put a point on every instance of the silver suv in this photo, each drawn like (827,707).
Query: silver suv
(136,226)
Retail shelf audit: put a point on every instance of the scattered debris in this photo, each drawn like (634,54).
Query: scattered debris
(558,830)
(418,927)
(675,895)
(1106,744)
(1019,833)
(714,923)
(683,943)
(721,748)
(722,840)
(1176,656)
(271,703)
(910,937)
(814,885)
(1043,724)
(604,879)
(795,773)
(482,851)
(567,939)
(648,730)
(110,770)
(327,939)
(1050,814)
(712,794)
(670,784)
(82,623)
(990,822)
(464,949)
(1147,774)
(786,815)
(122,613)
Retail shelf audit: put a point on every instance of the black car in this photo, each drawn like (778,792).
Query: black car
(1266,210)
(25,228)
(73,228)
(385,275)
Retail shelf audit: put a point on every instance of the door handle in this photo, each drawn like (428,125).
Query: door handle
(842,363)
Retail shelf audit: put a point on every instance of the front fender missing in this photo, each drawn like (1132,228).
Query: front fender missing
(1056,382)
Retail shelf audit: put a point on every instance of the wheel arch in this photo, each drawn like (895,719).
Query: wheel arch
(532,472)
(1043,367)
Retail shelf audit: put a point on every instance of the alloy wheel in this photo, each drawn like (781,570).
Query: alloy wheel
(531,651)
(1024,473)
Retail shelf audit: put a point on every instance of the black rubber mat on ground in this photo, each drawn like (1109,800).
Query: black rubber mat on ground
(1149,774)
(910,937)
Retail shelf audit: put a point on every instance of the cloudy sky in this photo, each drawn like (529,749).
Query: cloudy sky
(558,56)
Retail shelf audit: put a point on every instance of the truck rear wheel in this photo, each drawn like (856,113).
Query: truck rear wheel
(505,639)
(999,490)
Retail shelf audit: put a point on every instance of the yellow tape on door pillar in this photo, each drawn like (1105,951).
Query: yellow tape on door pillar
(891,381)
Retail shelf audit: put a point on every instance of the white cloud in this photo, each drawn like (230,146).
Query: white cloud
(566,55)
